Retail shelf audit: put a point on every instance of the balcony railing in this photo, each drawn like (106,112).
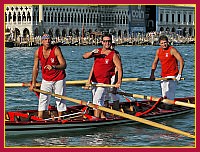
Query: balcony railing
(175,23)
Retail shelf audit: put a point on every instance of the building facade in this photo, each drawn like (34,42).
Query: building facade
(24,21)
(177,19)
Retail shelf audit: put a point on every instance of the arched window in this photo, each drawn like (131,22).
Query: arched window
(125,33)
(36,32)
(62,17)
(50,32)
(68,17)
(190,31)
(64,33)
(58,17)
(167,29)
(85,18)
(14,17)
(23,16)
(57,33)
(79,18)
(9,16)
(55,18)
(184,31)
(26,34)
(72,17)
(70,32)
(65,17)
(34,16)
(77,32)
(88,17)
(161,29)
(19,17)
(5,17)
(52,17)
(45,17)
(49,17)
(119,33)
(173,29)
(28,16)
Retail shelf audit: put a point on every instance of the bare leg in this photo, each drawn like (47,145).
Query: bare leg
(96,113)
(59,115)
(40,114)
(106,104)
(102,114)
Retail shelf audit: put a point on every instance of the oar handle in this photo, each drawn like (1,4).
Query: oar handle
(124,115)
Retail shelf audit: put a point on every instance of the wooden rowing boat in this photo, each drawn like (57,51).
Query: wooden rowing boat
(80,117)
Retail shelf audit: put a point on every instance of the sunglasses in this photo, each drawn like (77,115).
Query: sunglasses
(109,41)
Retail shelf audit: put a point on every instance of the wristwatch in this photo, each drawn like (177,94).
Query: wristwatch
(53,67)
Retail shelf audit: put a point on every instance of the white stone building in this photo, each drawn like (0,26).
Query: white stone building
(25,21)
(179,19)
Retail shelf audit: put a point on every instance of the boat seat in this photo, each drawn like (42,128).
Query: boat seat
(20,116)
(17,116)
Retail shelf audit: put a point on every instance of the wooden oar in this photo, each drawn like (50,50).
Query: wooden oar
(121,114)
(99,85)
(20,84)
(76,82)
(67,83)
(148,79)
(156,99)
(79,82)
(82,82)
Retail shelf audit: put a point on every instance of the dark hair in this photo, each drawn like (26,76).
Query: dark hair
(163,37)
(107,35)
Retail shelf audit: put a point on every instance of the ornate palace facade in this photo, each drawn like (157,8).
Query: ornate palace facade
(126,20)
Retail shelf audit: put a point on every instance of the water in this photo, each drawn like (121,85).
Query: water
(137,62)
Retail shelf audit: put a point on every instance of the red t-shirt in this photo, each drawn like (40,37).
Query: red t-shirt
(169,64)
(50,75)
(104,67)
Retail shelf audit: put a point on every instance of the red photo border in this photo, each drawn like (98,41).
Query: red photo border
(118,2)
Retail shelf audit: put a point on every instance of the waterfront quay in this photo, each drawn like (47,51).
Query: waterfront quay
(150,38)
(84,25)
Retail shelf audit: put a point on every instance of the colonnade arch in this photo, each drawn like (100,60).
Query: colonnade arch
(26,33)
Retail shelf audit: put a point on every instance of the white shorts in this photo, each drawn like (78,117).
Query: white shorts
(168,88)
(99,94)
(111,96)
(58,87)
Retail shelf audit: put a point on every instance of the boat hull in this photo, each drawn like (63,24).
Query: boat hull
(38,127)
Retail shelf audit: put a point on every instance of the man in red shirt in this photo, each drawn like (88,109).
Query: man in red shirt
(105,61)
(53,67)
(169,58)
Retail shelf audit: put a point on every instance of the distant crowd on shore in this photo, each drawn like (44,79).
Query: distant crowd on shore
(150,38)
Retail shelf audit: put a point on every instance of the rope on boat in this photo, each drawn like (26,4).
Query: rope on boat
(68,115)
(138,114)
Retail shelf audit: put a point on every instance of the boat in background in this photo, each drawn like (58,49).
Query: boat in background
(81,117)
(9,44)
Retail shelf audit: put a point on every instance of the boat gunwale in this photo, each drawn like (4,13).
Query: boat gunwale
(82,121)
